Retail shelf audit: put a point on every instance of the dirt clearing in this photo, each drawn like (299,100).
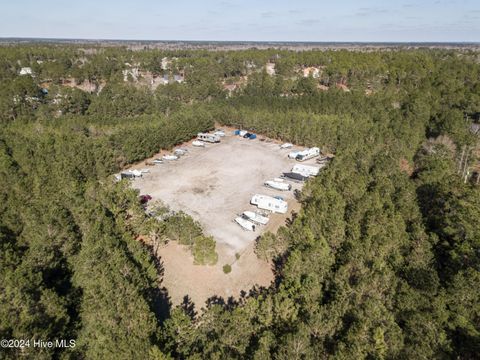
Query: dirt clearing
(213,185)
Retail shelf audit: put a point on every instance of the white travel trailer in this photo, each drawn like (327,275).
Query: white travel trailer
(294,154)
(278,184)
(245,224)
(286,146)
(169,157)
(180,152)
(133,173)
(198,143)
(208,137)
(269,203)
(308,154)
(256,218)
(306,170)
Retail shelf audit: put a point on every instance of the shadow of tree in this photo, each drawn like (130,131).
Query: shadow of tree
(188,307)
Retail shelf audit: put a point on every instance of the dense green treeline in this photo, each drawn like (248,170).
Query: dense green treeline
(381,262)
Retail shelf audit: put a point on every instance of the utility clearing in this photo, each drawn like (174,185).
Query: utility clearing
(214,184)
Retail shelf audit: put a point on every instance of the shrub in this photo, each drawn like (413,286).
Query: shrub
(204,250)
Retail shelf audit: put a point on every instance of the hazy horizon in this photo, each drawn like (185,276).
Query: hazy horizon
(430,21)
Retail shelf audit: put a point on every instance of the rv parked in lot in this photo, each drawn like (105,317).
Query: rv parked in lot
(245,224)
(294,154)
(208,137)
(169,157)
(256,218)
(269,203)
(198,143)
(308,154)
(278,184)
(295,177)
(306,170)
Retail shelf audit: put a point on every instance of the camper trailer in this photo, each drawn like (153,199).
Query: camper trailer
(295,177)
(308,154)
(130,174)
(198,143)
(286,146)
(208,137)
(306,170)
(245,224)
(294,154)
(180,152)
(269,203)
(256,218)
(278,184)
(169,157)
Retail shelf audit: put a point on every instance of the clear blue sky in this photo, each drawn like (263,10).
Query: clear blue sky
(280,20)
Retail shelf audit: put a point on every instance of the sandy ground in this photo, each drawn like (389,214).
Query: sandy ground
(213,185)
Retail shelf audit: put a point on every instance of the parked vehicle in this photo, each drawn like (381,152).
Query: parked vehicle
(127,175)
(308,154)
(278,185)
(245,224)
(286,146)
(294,154)
(212,138)
(157,161)
(269,203)
(169,157)
(295,176)
(180,152)
(220,133)
(134,173)
(306,170)
(256,218)
(198,143)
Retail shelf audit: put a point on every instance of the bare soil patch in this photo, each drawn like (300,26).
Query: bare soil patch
(213,185)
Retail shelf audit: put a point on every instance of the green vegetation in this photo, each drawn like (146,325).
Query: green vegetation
(227,268)
(382,261)
(203,250)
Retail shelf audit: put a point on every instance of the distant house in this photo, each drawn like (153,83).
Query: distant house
(178,78)
(230,88)
(165,63)
(311,71)
(133,72)
(26,71)
(270,68)
(475,129)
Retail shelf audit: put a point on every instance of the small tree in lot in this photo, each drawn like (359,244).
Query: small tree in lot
(227,268)
(203,250)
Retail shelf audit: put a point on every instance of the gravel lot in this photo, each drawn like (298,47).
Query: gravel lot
(215,183)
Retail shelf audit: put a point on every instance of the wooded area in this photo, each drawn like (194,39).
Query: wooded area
(382,262)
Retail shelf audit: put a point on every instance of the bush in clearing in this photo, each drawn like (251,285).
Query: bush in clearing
(203,250)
